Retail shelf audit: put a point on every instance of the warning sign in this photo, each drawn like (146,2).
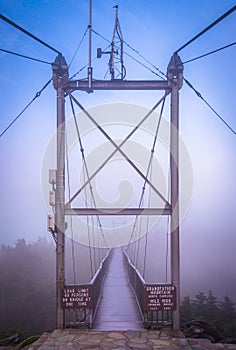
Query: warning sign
(75,297)
(159,297)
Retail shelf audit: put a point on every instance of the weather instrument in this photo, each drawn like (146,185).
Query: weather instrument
(116,63)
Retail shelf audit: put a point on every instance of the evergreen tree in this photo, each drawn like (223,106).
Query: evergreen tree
(211,308)
(227,322)
(199,305)
(227,309)
(187,310)
(206,307)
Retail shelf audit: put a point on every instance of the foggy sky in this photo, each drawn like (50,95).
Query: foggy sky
(208,232)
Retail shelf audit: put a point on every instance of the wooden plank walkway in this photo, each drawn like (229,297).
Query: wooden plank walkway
(118,308)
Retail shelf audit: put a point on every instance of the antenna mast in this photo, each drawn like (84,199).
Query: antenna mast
(117,33)
(116,64)
(90,69)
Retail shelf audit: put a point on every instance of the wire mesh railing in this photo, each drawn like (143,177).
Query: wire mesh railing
(136,281)
(80,302)
(155,301)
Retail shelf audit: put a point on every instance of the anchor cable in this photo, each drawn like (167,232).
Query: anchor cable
(28,33)
(210,53)
(207,28)
(27,57)
(213,110)
(24,109)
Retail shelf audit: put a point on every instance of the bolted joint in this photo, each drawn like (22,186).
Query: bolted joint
(175,71)
(60,71)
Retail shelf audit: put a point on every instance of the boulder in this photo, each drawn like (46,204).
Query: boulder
(14,338)
(202,329)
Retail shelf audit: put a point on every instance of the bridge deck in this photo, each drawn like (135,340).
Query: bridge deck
(118,309)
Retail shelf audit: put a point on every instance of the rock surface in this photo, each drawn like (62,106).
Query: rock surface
(202,329)
(70,339)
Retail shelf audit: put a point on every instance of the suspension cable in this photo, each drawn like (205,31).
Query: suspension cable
(92,264)
(71,222)
(207,28)
(93,239)
(92,224)
(86,168)
(210,53)
(23,56)
(149,170)
(149,166)
(86,202)
(167,247)
(168,227)
(213,110)
(147,229)
(24,109)
(28,33)
(138,240)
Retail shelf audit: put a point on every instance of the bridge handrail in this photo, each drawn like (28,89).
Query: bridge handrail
(96,281)
(150,318)
(137,282)
(85,315)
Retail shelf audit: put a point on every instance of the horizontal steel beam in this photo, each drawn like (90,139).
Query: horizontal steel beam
(118,85)
(117,211)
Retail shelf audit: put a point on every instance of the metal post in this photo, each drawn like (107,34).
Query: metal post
(60,76)
(90,69)
(175,70)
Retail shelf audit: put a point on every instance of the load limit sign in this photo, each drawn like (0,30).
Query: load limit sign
(159,297)
(76,297)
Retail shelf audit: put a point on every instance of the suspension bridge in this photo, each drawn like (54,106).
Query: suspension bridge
(118,297)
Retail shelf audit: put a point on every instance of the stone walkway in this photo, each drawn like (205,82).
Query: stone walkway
(70,339)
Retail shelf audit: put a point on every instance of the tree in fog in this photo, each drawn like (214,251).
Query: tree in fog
(27,287)
(206,307)
(28,282)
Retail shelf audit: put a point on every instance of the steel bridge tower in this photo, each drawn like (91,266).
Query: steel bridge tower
(171,85)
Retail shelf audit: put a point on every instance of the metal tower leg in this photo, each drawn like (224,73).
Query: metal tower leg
(60,76)
(175,258)
(175,70)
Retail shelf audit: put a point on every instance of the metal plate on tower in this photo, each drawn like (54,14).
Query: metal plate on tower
(76,297)
(159,297)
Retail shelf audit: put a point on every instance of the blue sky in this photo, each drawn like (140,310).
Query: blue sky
(156,29)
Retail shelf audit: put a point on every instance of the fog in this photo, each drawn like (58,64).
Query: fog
(28,281)
(207,178)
